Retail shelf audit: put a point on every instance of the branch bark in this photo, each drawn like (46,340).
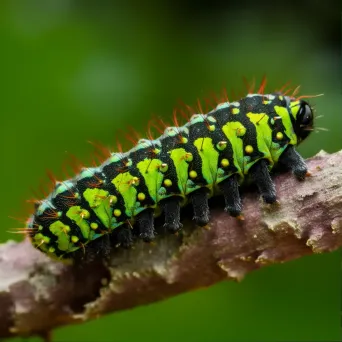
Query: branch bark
(37,294)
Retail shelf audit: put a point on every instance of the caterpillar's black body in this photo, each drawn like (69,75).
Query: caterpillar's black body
(210,154)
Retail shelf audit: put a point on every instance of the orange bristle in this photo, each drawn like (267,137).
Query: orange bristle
(225,95)
(152,124)
(103,150)
(118,146)
(75,163)
(95,184)
(52,177)
(308,97)
(131,139)
(184,111)
(199,106)
(262,86)
(65,172)
(50,215)
(214,99)
(162,123)
(43,190)
(34,201)
(282,89)
(295,92)
(249,87)
(174,118)
(19,219)
(136,134)
(24,231)
(208,102)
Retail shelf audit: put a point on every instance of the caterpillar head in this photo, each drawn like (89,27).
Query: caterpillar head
(303,118)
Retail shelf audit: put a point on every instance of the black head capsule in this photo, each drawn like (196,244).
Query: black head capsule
(304,120)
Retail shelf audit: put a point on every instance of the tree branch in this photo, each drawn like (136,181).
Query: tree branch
(37,294)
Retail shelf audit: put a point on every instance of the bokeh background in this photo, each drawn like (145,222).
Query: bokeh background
(73,71)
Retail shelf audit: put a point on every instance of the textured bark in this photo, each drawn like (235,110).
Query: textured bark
(37,294)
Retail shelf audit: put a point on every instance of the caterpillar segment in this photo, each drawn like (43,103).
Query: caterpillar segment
(211,154)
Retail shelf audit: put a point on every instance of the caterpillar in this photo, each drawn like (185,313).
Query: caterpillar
(212,154)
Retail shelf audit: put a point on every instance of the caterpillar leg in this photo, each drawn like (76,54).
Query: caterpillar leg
(146,225)
(230,190)
(99,248)
(261,177)
(104,246)
(199,200)
(294,161)
(171,207)
(125,236)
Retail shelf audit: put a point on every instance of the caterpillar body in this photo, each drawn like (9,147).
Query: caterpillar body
(211,154)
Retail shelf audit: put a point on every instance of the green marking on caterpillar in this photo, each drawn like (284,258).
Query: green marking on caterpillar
(125,185)
(231,129)
(289,131)
(178,157)
(149,169)
(99,201)
(209,157)
(294,107)
(41,241)
(80,216)
(264,136)
(62,231)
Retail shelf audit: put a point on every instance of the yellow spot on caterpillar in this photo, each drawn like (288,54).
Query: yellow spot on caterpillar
(221,145)
(74,239)
(249,149)
(281,98)
(167,182)
(163,167)
(241,131)
(188,156)
(193,174)
(134,181)
(51,250)
(279,136)
(84,214)
(112,199)
(156,151)
(184,140)
(235,110)
(212,128)
(141,196)
(94,225)
(117,212)
(224,162)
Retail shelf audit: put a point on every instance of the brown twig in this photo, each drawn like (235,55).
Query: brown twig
(37,294)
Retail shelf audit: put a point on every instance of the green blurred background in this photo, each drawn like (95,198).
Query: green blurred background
(73,71)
